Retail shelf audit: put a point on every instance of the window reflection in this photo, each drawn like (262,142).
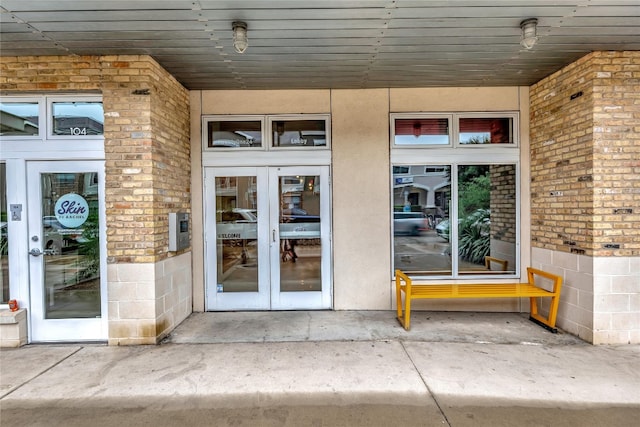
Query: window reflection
(486,219)
(19,118)
(484,233)
(486,130)
(299,133)
(237,234)
(77,118)
(234,134)
(422,131)
(421,197)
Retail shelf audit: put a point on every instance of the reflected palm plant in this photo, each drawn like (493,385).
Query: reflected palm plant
(474,231)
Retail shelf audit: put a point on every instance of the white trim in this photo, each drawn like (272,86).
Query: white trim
(266,135)
(70,99)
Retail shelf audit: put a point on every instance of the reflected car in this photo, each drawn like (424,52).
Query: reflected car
(298,215)
(57,237)
(238,215)
(443,229)
(412,223)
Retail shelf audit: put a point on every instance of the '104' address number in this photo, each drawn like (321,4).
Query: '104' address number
(78,131)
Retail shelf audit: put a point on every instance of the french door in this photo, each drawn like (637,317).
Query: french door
(65,223)
(267,233)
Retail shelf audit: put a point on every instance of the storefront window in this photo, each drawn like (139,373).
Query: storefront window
(455,216)
(19,119)
(481,241)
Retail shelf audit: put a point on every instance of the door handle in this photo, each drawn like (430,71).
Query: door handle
(273,235)
(35,252)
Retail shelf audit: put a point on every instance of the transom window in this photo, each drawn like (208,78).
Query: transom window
(290,132)
(51,117)
(452,130)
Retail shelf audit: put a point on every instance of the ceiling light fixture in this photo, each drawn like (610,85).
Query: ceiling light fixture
(529,37)
(240,40)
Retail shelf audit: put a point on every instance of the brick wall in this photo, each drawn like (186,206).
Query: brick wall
(585,172)
(146,130)
(585,146)
(147,160)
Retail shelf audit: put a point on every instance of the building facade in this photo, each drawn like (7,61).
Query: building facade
(289,197)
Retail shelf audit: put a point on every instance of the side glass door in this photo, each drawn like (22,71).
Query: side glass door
(236,239)
(65,222)
(300,246)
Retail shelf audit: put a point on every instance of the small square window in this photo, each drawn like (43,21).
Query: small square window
(77,119)
(421,131)
(19,119)
(299,133)
(486,130)
(230,134)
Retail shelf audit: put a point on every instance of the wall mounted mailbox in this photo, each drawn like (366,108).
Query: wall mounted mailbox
(178,231)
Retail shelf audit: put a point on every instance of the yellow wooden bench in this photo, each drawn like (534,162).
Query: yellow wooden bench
(529,290)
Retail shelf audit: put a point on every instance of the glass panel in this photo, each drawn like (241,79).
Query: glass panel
(434,131)
(4,237)
(487,219)
(78,118)
(299,133)
(71,243)
(19,119)
(237,234)
(300,249)
(234,134)
(486,130)
(421,197)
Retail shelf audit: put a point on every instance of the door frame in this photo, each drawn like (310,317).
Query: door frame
(69,329)
(268,296)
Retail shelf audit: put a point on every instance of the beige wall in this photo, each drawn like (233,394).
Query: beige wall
(360,175)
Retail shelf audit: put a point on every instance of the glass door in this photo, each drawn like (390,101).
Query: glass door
(300,224)
(67,287)
(267,238)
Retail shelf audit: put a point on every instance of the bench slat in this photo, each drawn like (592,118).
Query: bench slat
(500,290)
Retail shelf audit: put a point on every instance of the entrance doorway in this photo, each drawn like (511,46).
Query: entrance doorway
(267,232)
(66,284)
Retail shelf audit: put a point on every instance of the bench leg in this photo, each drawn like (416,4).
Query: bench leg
(546,322)
(403,318)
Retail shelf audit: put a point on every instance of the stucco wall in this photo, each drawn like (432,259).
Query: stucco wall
(360,176)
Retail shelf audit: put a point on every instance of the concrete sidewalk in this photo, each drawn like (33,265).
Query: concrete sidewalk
(401,381)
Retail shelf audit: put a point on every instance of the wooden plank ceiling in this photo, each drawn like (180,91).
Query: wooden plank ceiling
(327,43)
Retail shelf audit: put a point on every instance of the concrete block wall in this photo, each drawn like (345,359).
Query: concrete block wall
(13,328)
(585,192)
(147,158)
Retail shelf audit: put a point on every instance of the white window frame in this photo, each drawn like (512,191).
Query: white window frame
(41,117)
(44,145)
(409,116)
(455,155)
(294,117)
(234,118)
(454,129)
(50,100)
(267,137)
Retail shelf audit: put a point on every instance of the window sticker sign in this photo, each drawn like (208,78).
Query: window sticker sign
(72,210)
